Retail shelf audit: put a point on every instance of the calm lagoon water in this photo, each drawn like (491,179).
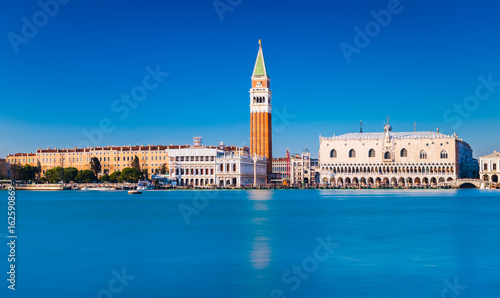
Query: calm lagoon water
(259,243)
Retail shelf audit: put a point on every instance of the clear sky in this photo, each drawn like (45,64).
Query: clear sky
(64,71)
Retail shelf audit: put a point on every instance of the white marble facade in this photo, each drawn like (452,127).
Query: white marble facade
(392,158)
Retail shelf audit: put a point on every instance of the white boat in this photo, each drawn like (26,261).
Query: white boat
(40,187)
(98,188)
(134,192)
(144,185)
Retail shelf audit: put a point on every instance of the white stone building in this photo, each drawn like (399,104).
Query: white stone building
(393,159)
(490,167)
(204,166)
(302,169)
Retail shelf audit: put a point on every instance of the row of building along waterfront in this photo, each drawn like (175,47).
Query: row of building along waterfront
(384,158)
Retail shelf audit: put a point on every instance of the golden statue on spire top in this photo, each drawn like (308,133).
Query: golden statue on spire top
(260,42)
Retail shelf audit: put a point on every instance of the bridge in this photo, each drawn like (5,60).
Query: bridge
(473,183)
(467,183)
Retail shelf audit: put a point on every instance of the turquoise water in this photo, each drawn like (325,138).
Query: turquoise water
(258,243)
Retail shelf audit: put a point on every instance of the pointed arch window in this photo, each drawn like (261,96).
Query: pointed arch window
(423,155)
(333,153)
(371,153)
(404,152)
(444,154)
(352,153)
(387,155)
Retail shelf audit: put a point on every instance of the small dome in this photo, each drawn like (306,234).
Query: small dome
(387,127)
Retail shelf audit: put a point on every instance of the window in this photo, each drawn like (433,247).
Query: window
(387,155)
(485,167)
(444,154)
(423,155)
(494,167)
(333,153)
(371,153)
(352,153)
(404,152)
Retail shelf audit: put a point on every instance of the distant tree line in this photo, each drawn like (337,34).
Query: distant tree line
(71,174)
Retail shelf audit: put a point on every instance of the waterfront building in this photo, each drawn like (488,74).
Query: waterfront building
(297,169)
(261,143)
(418,158)
(490,167)
(195,165)
(221,165)
(112,158)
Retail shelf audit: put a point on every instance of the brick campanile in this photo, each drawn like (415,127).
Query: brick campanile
(261,137)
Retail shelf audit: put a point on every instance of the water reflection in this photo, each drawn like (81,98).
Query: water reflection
(260,255)
(261,251)
(260,195)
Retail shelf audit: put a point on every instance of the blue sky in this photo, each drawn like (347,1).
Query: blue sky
(68,77)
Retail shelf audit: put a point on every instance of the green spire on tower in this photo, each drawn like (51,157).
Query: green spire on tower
(260,65)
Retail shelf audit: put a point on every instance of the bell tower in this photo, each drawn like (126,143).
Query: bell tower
(261,140)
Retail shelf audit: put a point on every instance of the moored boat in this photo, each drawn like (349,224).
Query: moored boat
(40,187)
(97,188)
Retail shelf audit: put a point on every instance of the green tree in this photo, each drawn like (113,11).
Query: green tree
(135,164)
(13,171)
(95,166)
(3,169)
(26,172)
(38,169)
(70,174)
(55,175)
(104,178)
(130,175)
(163,169)
(86,176)
(115,176)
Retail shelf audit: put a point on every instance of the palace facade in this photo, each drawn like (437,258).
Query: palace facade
(423,158)
(490,167)
(222,166)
